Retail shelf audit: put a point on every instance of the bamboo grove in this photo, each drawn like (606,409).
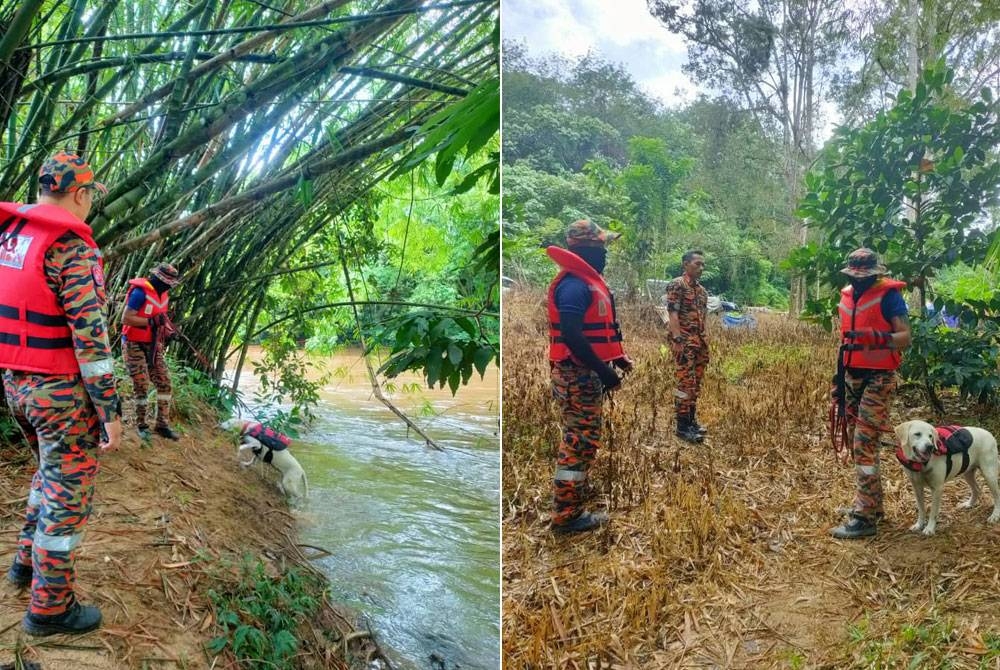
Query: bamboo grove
(230,133)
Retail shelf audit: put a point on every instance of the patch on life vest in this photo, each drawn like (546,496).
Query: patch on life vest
(98,275)
(602,307)
(13,251)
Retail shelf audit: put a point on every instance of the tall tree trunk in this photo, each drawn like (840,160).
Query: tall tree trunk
(913,36)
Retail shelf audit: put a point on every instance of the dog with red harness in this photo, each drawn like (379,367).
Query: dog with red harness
(933,456)
(267,445)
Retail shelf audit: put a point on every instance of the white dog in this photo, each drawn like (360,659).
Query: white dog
(933,456)
(269,446)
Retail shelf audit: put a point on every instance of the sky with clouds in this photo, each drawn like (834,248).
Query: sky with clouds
(622,31)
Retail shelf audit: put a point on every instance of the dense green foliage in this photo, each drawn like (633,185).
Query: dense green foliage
(582,141)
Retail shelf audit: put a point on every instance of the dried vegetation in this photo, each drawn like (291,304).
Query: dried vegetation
(718,555)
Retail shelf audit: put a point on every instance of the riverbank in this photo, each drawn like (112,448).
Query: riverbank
(175,527)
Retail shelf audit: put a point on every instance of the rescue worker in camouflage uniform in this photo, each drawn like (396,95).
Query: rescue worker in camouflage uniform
(58,381)
(145,329)
(585,348)
(874,328)
(687,307)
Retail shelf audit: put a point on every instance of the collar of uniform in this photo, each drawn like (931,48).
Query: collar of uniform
(691,280)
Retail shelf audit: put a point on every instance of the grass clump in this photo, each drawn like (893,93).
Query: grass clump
(259,614)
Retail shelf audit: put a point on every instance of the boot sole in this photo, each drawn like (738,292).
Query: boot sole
(44,630)
(583,529)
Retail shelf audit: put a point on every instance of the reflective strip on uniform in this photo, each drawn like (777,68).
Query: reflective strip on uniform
(163,396)
(868,304)
(56,542)
(570,475)
(680,394)
(34,498)
(867,469)
(105,366)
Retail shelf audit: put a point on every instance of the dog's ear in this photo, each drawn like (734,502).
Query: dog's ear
(901,432)
(902,437)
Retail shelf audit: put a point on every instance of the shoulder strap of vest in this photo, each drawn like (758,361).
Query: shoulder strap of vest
(572,263)
(140,282)
(51,215)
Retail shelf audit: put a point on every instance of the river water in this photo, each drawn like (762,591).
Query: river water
(414,533)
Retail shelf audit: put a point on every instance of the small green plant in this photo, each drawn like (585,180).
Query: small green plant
(193,389)
(287,376)
(259,615)
(757,357)
(796,659)
(10,432)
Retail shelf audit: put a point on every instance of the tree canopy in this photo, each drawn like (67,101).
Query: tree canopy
(241,140)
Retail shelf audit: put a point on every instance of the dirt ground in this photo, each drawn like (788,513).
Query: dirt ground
(718,555)
(163,517)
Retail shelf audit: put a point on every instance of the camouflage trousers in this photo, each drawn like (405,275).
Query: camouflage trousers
(141,374)
(868,398)
(689,369)
(579,393)
(61,427)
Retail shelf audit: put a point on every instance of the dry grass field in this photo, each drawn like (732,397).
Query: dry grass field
(718,555)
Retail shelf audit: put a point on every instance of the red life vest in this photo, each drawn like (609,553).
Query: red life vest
(267,436)
(600,325)
(867,314)
(155,304)
(36,338)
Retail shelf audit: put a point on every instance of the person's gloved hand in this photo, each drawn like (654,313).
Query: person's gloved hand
(834,389)
(876,339)
(625,364)
(610,379)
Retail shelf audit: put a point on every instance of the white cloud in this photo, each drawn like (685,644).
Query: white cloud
(547,26)
(622,31)
(673,88)
(625,22)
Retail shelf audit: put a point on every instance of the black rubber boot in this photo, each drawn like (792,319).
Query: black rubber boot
(166,432)
(854,528)
(586,521)
(19,575)
(144,433)
(75,620)
(686,431)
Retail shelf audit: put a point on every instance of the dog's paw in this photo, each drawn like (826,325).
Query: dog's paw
(917,527)
(967,504)
(994,517)
(929,530)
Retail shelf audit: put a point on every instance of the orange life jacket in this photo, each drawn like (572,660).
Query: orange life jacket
(867,314)
(600,325)
(155,305)
(36,338)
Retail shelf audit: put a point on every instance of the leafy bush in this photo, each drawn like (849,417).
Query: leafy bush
(194,389)
(964,357)
(259,615)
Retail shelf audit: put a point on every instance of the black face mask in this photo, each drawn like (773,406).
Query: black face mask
(158,285)
(596,257)
(863,284)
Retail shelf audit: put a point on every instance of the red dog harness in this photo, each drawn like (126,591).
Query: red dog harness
(951,441)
